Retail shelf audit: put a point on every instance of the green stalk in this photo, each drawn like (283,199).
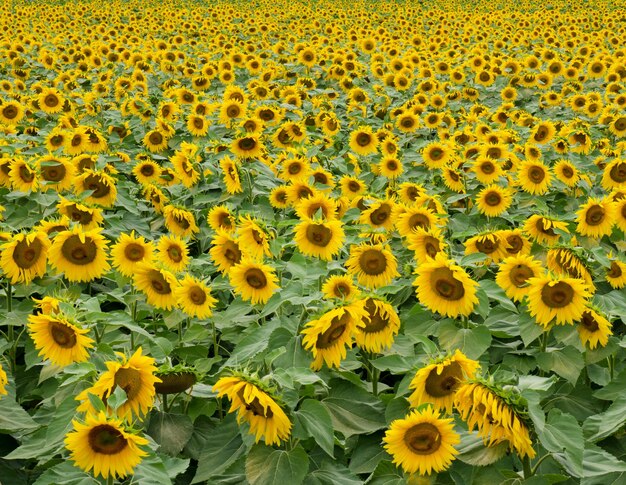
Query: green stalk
(11,330)
(526,465)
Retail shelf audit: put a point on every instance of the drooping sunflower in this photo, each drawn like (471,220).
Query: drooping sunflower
(616,275)
(257,407)
(493,200)
(569,262)
(328,336)
(180,221)
(157,284)
(363,141)
(514,273)
(340,287)
(594,329)
(425,244)
(129,251)
(596,217)
(232,180)
(173,253)
(24,256)
(80,255)
(135,376)
(380,326)
(445,287)
(194,298)
(105,445)
(542,228)
(534,177)
(254,239)
(253,281)
(185,163)
(489,243)
(321,239)
(58,339)
(437,383)
(374,265)
(495,416)
(422,442)
(225,251)
(561,300)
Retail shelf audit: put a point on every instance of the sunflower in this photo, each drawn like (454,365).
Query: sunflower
(247,147)
(437,382)
(542,228)
(173,253)
(340,287)
(106,445)
(180,221)
(425,244)
(48,305)
(453,179)
(23,177)
(58,339)
(445,287)
(24,257)
(620,213)
(593,329)
(381,325)
(50,100)
(490,244)
(3,382)
(487,170)
(321,239)
(220,218)
(514,273)
(363,141)
(11,112)
(566,172)
(155,141)
(379,214)
(232,180)
(55,173)
(436,155)
(257,407)
(147,172)
(100,184)
(88,217)
(80,255)
(135,376)
(534,177)
(184,161)
(566,261)
(422,442)
(318,206)
(279,197)
(194,298)
(614,175)
(493,200)
(157,284)
(254,240)
(596,217)
(76,141)
(414,218)
(374,265)
(328,336)
(129,251)
(616,275)
(253,281)
(618,126)
(542,133)
(497,419)
(559,299)
(225,251)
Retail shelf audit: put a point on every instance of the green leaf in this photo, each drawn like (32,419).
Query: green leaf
(614,389)
(352,409)
(65,474)
(115,400)
(502,322)
(529,330)
(13,417)
(566,362)
(494,292)
(267,466)
(221,451)
(367,454)
(386,474)
(563,436)
(473,342)
(331,473)
(473,451)
(151,471)
(254,343)
(599,426)
(171,431)
(315,420)
(597,462)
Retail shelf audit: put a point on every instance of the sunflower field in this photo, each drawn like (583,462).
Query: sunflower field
(312,242)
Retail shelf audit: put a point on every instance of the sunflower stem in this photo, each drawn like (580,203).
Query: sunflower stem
(11,330)
(539,462)
(110,480)
(527,470)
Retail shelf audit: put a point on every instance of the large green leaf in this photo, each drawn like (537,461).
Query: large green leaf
(315,420)
(563,436)
(367,454)
(473,342)
(170,431)
(566,362)
(268,466)
(65,474)
(599,426)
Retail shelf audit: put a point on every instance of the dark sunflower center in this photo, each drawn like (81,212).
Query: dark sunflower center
(77,215)
(198,123)
(431,246)
(224,220)
(9,112)
(519,274)
(174,383)
(380,215)
(255,406)
(589,322)
(233,111)
(232,252)
(51,100)
(419,220)
(446,383)
(134,252)
(488,245)
(595,215)
(256,278)
(618,172)
(106,440)
(129,380)
(181,220)
(319,235)
(407,122)
(363,139)
(76,140)
(354,186)
(158,283)
(536,175)
(147,170)
(63,336)
(557,296)
(487,168)
(155,138)
(412,193)
(175,253)
(436,154)
(197,295)
(494,152)
(453,175)
(26,255)
(294,168)
(493,199)
(373,262)
(77,252)
(445,285)
(423,439)
(53,173)
(615,271)
(620,124)
(26,174)
(247,144)
(541,227)
(97,185)
(541,134)
(334,332)
(567,172)
(375,322)
(341,290)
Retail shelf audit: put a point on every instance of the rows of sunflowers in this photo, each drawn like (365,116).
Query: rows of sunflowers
(285,242)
